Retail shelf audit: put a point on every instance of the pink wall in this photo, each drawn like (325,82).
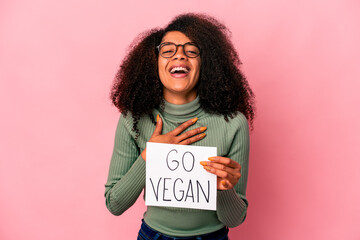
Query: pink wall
(57,62)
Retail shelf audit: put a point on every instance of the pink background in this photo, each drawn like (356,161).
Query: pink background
(57,63)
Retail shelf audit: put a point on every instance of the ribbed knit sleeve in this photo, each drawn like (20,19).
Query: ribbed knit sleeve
(232,204)
(126,177)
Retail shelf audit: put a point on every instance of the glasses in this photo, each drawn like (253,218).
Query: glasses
(168,49)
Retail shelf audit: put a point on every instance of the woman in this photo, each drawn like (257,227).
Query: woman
(182,85)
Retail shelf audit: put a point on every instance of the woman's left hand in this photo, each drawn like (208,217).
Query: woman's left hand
(226,170)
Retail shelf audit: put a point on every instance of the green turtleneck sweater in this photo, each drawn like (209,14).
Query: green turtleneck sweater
(126,177)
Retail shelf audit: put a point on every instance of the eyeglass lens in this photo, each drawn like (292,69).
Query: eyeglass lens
(169,50)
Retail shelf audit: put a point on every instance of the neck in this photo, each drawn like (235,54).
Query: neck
(179,98)
(182,112)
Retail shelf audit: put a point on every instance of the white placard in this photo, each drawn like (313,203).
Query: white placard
(175,178)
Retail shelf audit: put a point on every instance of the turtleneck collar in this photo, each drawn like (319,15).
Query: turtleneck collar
(182,112)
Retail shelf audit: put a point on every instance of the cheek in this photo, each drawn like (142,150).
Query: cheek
(162,70)
(161,65)
(198,67)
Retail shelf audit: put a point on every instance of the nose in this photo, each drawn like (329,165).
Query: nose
(180,54)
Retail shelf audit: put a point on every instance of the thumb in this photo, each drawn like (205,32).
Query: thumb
(158,127)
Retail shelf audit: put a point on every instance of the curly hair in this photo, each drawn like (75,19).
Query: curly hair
(222,88)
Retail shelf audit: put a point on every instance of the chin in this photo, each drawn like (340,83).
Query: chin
(179,89)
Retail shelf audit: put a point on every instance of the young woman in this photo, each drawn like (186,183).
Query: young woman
(182,85)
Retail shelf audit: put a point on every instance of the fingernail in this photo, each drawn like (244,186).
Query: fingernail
(203,135)
(207,168)
(157,118)
(194,120)
(224,183)
(211,158)
(203,129)
(203,163)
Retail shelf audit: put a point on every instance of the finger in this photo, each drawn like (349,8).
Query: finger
(226,184)
(233,171)
(220,173)
(158,127)
(183,126)
(190,133)
(224,160)
(192,139)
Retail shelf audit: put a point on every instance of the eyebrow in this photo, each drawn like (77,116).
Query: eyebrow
(177,44)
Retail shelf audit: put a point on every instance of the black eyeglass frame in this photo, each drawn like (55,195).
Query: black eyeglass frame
(177,45)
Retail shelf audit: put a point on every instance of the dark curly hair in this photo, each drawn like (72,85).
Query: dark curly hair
(222,88)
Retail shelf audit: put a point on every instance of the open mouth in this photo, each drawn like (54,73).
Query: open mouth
(179,71)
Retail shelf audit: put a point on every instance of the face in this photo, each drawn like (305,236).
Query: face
(179,83)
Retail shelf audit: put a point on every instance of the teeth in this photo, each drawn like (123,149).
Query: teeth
(179,69)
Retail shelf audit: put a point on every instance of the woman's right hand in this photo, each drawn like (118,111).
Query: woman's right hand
(175,136)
